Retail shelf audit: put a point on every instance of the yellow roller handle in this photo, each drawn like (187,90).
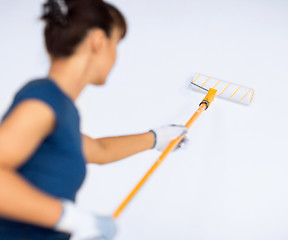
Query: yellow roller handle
(173,144)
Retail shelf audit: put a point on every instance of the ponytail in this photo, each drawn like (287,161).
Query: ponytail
(68,22)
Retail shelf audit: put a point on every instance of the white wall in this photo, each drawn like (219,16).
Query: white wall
(231,181)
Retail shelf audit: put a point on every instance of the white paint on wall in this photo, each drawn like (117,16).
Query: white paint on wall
(231,181)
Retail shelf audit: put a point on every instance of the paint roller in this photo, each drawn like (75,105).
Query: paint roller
(225,90)
(213,87)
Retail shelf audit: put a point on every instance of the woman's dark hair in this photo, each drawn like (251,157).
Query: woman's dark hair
(68,22)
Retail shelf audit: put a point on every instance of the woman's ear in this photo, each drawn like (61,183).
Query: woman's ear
(98,38)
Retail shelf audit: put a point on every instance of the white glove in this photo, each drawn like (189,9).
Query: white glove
(164,135)
(84,225)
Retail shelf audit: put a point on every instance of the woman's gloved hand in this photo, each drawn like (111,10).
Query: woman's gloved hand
(164,135)
(83,225)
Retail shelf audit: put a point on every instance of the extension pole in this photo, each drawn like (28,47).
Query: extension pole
(173,144)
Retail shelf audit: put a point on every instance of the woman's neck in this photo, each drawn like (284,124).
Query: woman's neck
(70,75)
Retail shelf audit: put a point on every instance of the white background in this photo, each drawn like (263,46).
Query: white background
(231,181)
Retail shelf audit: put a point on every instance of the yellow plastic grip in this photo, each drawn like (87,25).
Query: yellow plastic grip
(209,98)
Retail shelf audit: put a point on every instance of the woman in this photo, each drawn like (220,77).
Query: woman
(42,153)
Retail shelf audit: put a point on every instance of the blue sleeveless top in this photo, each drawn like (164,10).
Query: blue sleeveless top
(58,166)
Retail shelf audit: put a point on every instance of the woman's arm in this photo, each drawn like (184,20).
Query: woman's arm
(20,135)
(111,149)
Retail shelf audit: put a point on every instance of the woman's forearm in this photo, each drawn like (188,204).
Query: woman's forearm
(20,201)
(125,146)
(111,149)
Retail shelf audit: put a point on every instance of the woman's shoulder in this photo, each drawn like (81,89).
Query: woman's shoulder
(46,91)
(38,87)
